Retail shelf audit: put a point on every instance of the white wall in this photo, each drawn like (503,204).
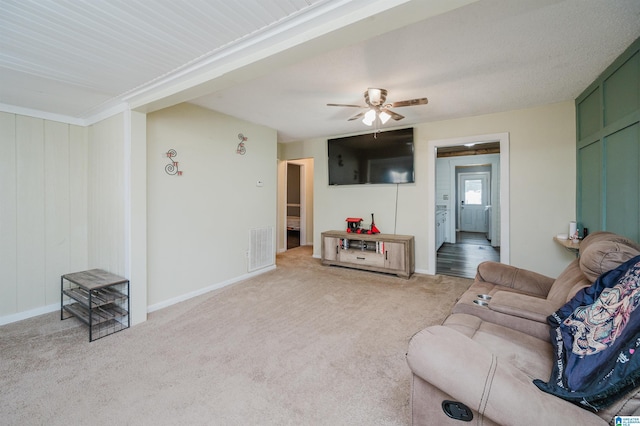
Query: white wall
(117,220)
(106,199)
(136,212)
(43,214)
(65,207)
(198,223)
(542,185)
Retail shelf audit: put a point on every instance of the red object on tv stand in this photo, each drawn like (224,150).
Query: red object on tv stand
(353,224)
(374,229)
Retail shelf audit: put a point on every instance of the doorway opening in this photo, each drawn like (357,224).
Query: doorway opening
(295,204)
(469,188)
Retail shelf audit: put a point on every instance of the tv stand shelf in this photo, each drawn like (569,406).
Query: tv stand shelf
(393,254)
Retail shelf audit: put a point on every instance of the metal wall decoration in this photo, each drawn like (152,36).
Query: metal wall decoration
(172,168)
(241,148)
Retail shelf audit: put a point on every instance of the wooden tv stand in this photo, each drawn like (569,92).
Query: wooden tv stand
(393,254)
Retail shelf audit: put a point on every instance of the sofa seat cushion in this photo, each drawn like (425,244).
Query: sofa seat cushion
(531,355)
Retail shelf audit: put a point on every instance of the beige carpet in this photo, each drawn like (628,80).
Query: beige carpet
(301,345)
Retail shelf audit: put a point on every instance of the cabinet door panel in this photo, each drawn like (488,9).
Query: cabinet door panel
(589,186)
(589,114)
(394,256)
(622,190)
(622,91)
(330,248)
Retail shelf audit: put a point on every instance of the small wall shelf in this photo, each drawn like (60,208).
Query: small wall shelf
(569,245)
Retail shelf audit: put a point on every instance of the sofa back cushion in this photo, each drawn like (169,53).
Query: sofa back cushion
(568,283)
(603,251)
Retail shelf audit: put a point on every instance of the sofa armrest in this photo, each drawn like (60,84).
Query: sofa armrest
(471,374)
(515,278)
(522,306)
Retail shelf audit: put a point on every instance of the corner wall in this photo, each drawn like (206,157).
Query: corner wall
(198,223)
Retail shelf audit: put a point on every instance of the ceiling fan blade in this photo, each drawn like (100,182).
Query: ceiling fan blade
(355,117)
(410,102)
(394,115)
(346,105)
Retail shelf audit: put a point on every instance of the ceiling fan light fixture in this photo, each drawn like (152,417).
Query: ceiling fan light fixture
(376,112)
(369,117)
(374,96)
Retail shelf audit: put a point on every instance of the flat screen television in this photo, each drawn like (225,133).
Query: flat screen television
(362,159)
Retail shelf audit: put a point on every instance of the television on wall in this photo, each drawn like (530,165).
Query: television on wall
(365,159)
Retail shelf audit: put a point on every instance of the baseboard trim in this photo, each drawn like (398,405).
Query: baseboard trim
(200,292)
(29,314)
(8,319)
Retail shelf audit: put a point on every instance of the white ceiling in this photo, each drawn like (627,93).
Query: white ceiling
(279,62)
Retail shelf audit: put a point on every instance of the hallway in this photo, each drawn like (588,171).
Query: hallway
(461,259)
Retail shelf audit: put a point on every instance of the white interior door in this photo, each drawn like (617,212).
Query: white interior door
(473,197)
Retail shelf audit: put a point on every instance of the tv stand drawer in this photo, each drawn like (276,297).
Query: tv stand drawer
(360,257)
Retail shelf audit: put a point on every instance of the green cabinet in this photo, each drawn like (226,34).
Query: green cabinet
(608,149)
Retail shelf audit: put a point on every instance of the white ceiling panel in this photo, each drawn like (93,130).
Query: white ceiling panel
(112,47)
(77,58)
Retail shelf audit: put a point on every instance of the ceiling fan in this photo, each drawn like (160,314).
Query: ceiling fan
(377,109)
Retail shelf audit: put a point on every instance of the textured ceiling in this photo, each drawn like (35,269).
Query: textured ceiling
(489,56)
(77,59)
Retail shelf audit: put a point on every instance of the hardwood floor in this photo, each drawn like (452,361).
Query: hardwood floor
(461,259)
(293,239)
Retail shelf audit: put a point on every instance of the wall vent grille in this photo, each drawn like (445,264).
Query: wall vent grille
(261,252)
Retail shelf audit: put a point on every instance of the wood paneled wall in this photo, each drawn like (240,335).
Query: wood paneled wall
(43,214)
(608,149)
(106,196)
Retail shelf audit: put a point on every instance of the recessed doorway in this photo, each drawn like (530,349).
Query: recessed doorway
(481,187)
(293,205)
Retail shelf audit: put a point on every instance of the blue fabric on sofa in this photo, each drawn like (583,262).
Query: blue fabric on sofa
(596,339)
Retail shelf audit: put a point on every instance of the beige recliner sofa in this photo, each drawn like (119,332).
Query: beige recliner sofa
(480,363)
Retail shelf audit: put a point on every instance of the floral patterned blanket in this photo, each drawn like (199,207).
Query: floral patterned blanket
(596,339)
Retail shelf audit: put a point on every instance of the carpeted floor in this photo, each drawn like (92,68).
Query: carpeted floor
(302,344)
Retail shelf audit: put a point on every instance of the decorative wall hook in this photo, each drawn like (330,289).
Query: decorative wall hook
(172,168)
(241,148)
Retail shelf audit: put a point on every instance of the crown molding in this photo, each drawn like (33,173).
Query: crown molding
(213,70)
(29,112)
